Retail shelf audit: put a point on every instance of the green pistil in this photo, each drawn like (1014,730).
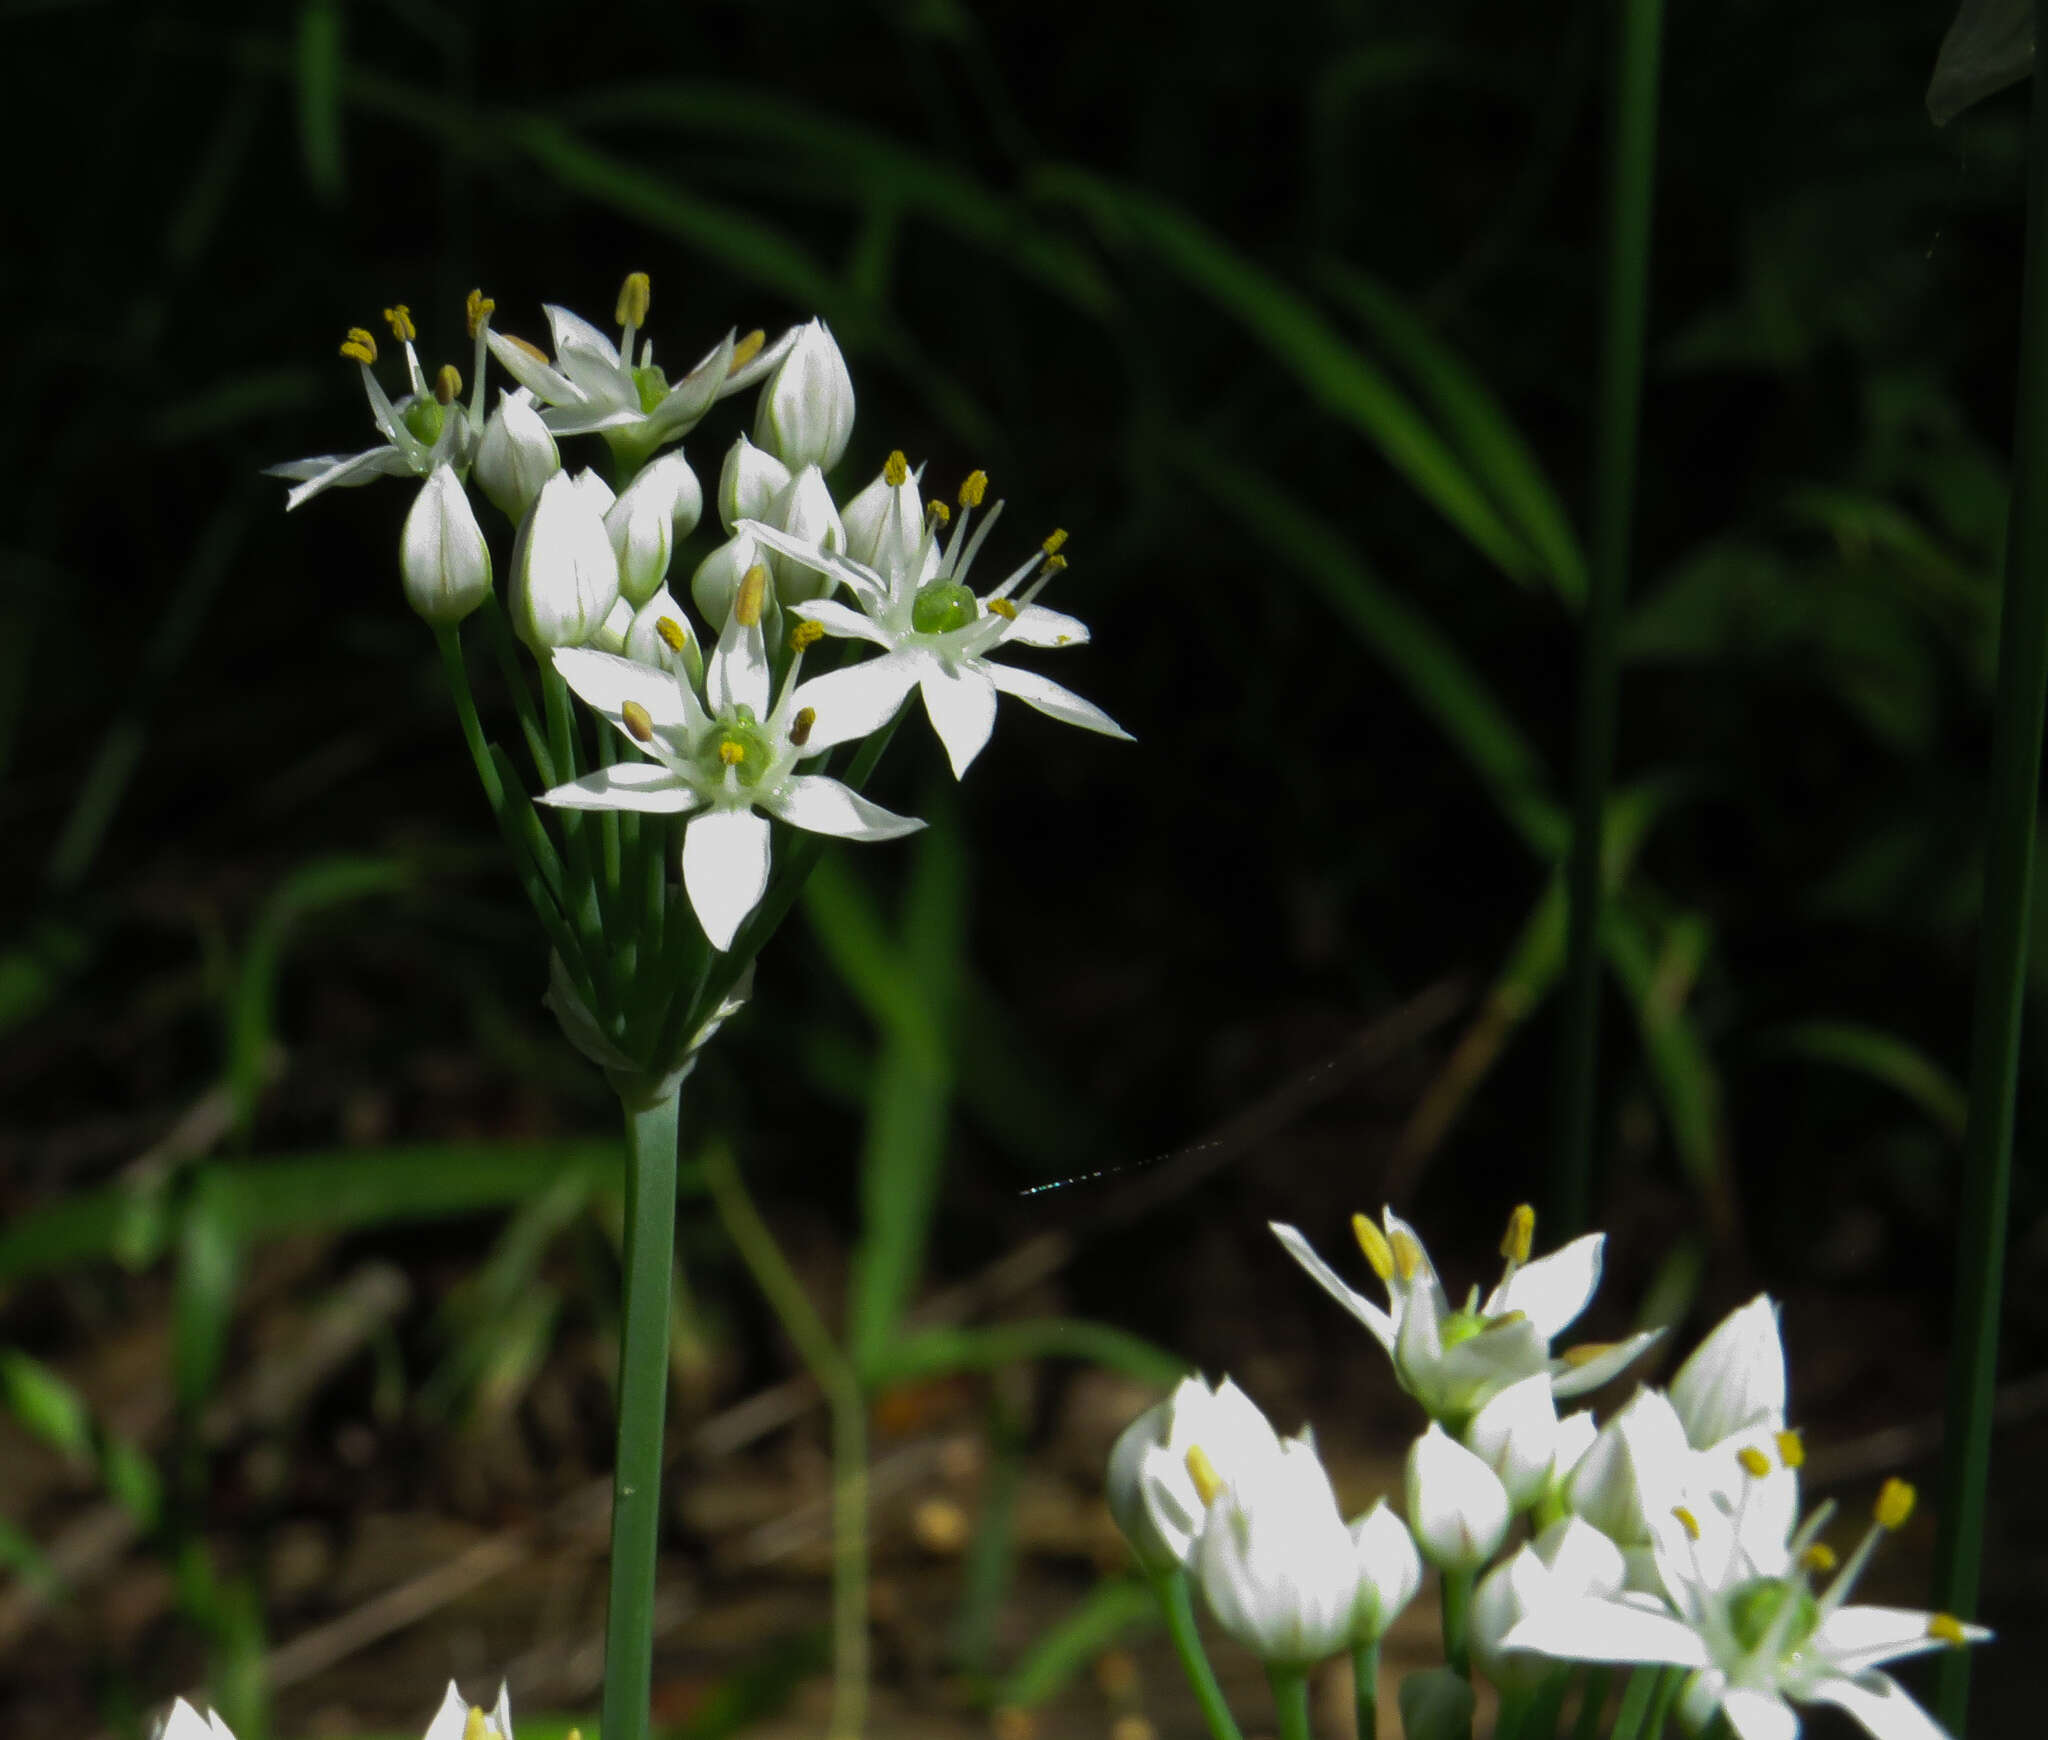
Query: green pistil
(653,388)
(1462,1326)
(744,734)
(422,419)
(1756,1607)
(942,606)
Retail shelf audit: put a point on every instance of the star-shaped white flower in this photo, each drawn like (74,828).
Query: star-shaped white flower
(936,635)
(456,1717)
(593,386)
(427,428)
(1740,1609)
(186,1723)
(728,762)
(1453,1362)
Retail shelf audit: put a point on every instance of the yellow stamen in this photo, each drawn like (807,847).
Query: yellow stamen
(1894,1505)
(1791,1450)
(732,753)
(974,488)
(896,470)
(1687,1521)
(1818,1558)
(634,295)
(1208,1483)
(1587,1352)
(806,635)
(1055,542)
(1002,607)
(399,319)
(477,312)
(1516,1243)
(1373,1243)
(533,350)
(1508,1319)
(673,635)
(448,384)
(1754,1462)
(800,726)
(1055,564)
(639,721)
(359,346)
(1407,1255)
(939,511)
(474,1727)
(1948,1628)
(747,349)
(753,593)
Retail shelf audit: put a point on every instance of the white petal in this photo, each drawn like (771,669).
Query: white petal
(961,703)
(452,1717)
(607,682)
(1882,1705)
(1553,1290)
(185,1723)
(725,869)
(1854,1639)
(737,674)
(340,471)
(1759,1715)
(588,358)
(626,785)
(825,806)
(1049,698)
(1607,1631)
(546,383)
(1735,1379)
(1332,1283)
(1577,1380)
(841,620)
(857,700)
(863,580)
(1037,626)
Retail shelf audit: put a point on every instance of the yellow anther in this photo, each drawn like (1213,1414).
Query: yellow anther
(1407,1255)
(1587,1352)
(974,488)
(1507,1320)
(399,319)
(477,311)
(1754,1462)
(1054,563)
(1687,1521)
(634,295)
(747,349)
(1791,1449)
(732,752)
(1002,607)
(474,1726)
(1948,1628)
(533,350)
(939,511)
(800,726)
(1818,1558)
(359,346)
(1208,1483)
(753,593)
(673,634)
(806,635)
(448,384)
(896,470)
(1516,1243)
(1055,542)
(639,721)
(1894,1504)
(1373,1243)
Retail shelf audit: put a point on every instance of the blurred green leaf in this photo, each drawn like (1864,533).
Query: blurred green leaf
(1113,1607)
(36,969)
(203,1291)
(929,1353)
(319,64)
(45,1406)
(1884,1057)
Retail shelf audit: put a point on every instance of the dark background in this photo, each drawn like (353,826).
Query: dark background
(1160,271)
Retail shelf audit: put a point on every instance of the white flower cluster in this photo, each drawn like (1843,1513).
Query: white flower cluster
(1668,1534)
(455,1720)
(721,740)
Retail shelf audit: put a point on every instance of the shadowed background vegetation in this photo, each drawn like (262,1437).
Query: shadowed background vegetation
(1290,322)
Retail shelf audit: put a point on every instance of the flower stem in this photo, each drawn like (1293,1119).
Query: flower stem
(1365,1680)
(1631,174)
(1668,1689)
(841,1385)
(505,649)
(1592,1703)
(643,1394)
(1457,1593)
(1290,1700)
(1176,1601)
(1636,1699)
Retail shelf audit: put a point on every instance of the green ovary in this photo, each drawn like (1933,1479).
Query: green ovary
(1461,1326)
(745,735)
(422,419)
(1755,1607)
(942,606)
(653,388)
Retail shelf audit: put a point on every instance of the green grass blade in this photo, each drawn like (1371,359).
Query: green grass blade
(942,1352)
(203,1294)
(1115,1606)
(319,64)
(1884,1057)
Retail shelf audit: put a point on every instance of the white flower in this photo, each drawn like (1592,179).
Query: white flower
(718,576)
(936,635)
(565,578)
(442,556)
(1570,1561)
(1636,1468)
(1390,1572)
(804,513)
(885,522)
(595,387)
(185,1723)
(1453,1361)
(1457,1507)
(1735,1380)
(806,412)
(659,506)
(456,1718)
(727,762)
(748,483)
(1276,1565)
(1150,1491)
(1515,1434)
(516,455)
(1754,1630)
(660,634)
(428,428)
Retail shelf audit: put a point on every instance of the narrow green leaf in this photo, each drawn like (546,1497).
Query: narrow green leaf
(1113,1607)
(942,1352)
(1884,1057)
(45,1406)
(203,1293)
(319,59)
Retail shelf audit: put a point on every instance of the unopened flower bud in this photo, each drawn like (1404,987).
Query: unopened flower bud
(565,578)
(1515,1434)
(611,633)
(516,455)
(804,510)
(885,522)
(658,506)
(806,411)
(661,635)
(442,555)
(748,483)
(1390,1572)
(718,576)
(1457,1507)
